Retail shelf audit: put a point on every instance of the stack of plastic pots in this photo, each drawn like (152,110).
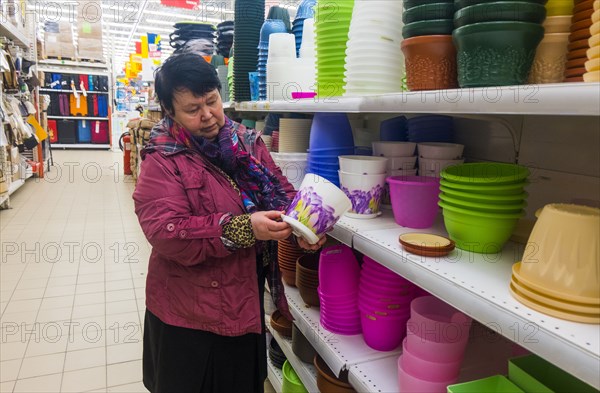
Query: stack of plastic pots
(193,36)
(287,254)
(291,380)
(307,278)
(401,162)
(565,239)
(362,178)
(224,37)
(294,135)
(276,354)
(434,157)
(500,36)
(431,128)
(551,54)
(434,347)
(581,32)
(293,166)
(269,27)
(331,26)
(305,11)
(374,61)
(393,130)
(384,302)
(249,17)
(282,52)
(482,203)
(338,290)
(330,137)
(428,48)
(592,65)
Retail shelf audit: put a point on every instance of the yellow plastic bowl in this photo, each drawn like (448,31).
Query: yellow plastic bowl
(594,51)
(592,65)
(593,76)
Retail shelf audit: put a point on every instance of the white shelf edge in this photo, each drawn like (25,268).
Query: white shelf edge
(548,339)
(79,146)
(338,351)
(77,118)
(71,63)
(15,185)
(4,198)
(274,375)
(306,372)
(68,69)
(8,30)
(560,99)
(377,376)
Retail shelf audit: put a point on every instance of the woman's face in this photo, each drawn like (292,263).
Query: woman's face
(202,116)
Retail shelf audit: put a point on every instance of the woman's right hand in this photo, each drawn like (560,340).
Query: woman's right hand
(265,226)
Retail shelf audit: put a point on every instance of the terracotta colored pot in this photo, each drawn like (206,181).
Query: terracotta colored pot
(327,381)
(576,54)
(310,296)
(301,346)
(587,14)
(281,324)
(583,5)
(574,79)
(576,63)
(430,62)
(570,73)
(584,24)
(581,44)
(578,35)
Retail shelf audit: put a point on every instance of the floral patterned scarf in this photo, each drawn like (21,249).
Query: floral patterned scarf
(260,189)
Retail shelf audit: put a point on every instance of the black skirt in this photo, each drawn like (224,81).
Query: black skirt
(181,360)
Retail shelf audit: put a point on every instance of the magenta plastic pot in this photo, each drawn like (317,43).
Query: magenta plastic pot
(346,331)
(432,350)
(375,265)
(342,307)
(338,271)
(397,306)
(372,285)
(400,313)
(414,200)
(345,299)
(342,315)
(411,384)
(435,320)
(428,370)
(390,278)
(382,333)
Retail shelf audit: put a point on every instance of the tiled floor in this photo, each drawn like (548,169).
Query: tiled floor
(72,279)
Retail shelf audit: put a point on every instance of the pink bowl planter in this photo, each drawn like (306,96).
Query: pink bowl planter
(347,299)
(432,350)
(428,370)
(343,330)
(389,277)
(410,384)
(338,271)
(414,200)
(369,285)
(382,333)
(435,320)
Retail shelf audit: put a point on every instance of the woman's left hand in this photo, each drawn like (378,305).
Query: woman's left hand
(311,247)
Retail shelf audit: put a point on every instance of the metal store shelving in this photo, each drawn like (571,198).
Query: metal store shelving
(339,352)
(10,31)
(550,99)
(275,376)
(477,284)
(306,372)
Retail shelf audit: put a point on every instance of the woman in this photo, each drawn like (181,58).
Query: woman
(209,200)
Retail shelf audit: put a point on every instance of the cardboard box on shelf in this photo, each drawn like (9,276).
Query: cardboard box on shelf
(90,49)
(60,44)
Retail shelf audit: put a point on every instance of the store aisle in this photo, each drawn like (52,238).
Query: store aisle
(72,280)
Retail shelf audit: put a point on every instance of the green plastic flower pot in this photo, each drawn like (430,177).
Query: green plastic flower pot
(485,173)
(483,233)
(291,381)
(429,12)
(500,11)
(428,27)
(481,206)
(500,189)
(495,384)
(485,198)
(458,4)
(496,53)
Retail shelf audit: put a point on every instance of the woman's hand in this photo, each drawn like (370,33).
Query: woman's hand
(265,226)
(311,247)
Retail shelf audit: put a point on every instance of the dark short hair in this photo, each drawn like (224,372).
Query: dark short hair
(184,71)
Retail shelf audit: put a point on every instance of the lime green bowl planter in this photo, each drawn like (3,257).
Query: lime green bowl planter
(291,381)
(483,233)
(493,189)
(534,374)
(495,384)
(483,207)
(485,198)
(485,173)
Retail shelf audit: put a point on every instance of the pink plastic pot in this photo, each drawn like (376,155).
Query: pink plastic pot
(428,370)
(378,298)
(410,384)
(338,271)
(387,281)
(341,315)
(346,331)
(382,333)
(384,308)
(377,287)
(432,350)
(341,307)
(389,277)
(435,320)
(347,299)
(414,200)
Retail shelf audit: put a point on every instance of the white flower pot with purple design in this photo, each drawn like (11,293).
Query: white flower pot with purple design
(318,205)
(365,193)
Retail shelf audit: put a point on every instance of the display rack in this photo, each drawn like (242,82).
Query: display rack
(477,284)
(583,99)
(275,376)
(15,34)
(306,372)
